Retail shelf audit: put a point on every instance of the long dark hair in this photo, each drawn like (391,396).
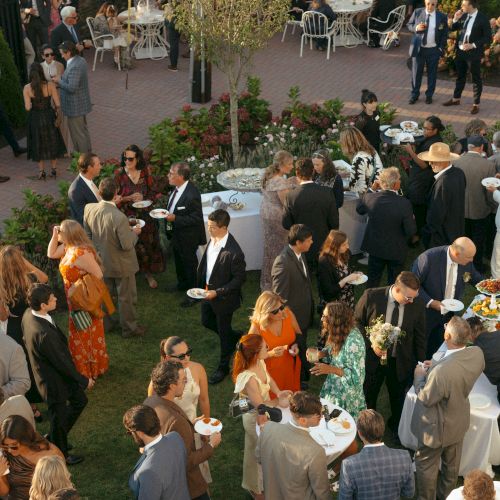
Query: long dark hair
(19,429)
(37,80)
(329,170)
(138,154)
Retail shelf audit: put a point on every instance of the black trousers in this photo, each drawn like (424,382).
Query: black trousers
(221,325)
(63,415)
(420,213)
(376,267)
(476,230)
(186,264)
(38,34)
(463,64)
(6,130)
(425,57)
(305,374)
(173,40)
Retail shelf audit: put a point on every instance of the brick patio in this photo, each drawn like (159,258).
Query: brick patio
(121,116)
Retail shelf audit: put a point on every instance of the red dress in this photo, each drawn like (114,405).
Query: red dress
(87,347)
(148,248)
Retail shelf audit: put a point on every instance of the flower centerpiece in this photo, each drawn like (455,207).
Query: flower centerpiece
(383,335)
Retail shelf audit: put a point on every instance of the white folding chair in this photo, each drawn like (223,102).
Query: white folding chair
(100,44)
(387,35)
(315,26)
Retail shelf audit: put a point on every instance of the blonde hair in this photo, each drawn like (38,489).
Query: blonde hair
(280,159)
(352,141)
(75,236)
(389,177)
(14,276)
(266,302)
(50,475)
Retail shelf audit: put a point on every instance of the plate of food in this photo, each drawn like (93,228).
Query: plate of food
(417,133)
(489,287)
(136,222)
(142,204)
(196,293)
(491,182)
(207,426)
(392,132)
(363,278)
(404,137)
(452,305)
(479,401)
(409,126)
(340,426)
(159,213)
(482,309)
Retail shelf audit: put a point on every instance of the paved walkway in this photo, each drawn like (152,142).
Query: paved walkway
(122,116)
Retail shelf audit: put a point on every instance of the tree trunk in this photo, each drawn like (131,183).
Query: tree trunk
(233,114)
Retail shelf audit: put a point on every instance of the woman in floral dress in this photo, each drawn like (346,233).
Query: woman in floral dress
(78,258)
(343,360)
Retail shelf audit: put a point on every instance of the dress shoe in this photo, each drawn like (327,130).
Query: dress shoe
(428,100)
(140,331)
(188,303)
(451,102)
(475,109)
(4,178)
(218,376)
(74,459)
(171,67)
(413,100)
(19,152)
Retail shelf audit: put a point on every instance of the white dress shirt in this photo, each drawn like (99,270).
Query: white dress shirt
(301,260)
(92,187)
(178,194)
(452,351)
(472,18)
(439,174)
(43,316)
(213,251)
(157,439)
(368,445)
(431,30)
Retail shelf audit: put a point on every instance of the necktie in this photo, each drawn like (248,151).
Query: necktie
(424,39)
(464,29)
(395,322)
(301,260)
(448,291)
(172,198)
(73,34)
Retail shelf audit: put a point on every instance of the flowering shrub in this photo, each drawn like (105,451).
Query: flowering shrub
(204,173)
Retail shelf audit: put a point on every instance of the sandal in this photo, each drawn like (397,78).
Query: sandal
(42,176)
(53,172)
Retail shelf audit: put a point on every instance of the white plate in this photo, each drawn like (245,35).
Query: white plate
(384,127)
(491,182)
(479,401)
(404,137)
(408,126)
(338,428)
(362,279)
(206,429)
(140,222)
(392,132)
(159,213)
(196,293)
(453,304)
(142,204)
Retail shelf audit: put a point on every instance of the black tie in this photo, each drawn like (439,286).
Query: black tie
(301,260)
(174,194)
(464,29)
(395,322)
(424,39)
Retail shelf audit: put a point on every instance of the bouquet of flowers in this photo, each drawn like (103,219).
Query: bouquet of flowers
(383,335)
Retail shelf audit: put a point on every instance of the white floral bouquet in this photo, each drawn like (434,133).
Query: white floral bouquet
(383,335)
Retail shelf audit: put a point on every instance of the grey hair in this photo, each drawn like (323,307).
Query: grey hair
(470,147)
(459,331)
(496,139)
(67,11)
(389,177)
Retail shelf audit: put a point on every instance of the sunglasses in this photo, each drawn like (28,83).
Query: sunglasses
(183,355)
(129,158)
(280,308)
(49,54)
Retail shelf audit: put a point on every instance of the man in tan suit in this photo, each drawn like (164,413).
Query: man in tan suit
(442,413)
(293,464)
(114,239)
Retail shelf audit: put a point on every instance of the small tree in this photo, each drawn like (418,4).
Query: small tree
(228,33)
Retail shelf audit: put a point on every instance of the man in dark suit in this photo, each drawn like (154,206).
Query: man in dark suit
(400,306)
(291,280)
(37,22)
(474,35)
(67,31)
(312,205)
(445,218)
(391,226)
(222,273)
(57,380)
(82,189)
(430,34)
(443,272)
(160,473)
(185,227)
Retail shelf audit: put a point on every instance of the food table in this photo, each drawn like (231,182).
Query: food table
(340,441)
(348,35)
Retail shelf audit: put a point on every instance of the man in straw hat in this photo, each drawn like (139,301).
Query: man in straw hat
(446,205)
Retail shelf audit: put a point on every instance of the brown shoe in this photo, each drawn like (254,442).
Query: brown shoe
(452,102)
(475,109)
(4,178)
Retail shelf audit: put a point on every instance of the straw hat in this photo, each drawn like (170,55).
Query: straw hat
(439,151)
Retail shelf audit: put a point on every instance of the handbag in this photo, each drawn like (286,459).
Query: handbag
(239,406)
(272,413)
(81,319)
(88,293)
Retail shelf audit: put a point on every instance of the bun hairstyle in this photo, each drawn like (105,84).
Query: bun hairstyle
(436,122)
(280,159)
(368,96)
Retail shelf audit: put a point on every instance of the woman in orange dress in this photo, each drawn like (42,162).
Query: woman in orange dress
(78,258)
(276,323)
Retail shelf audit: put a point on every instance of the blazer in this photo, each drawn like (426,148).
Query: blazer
(480,35)
(227,278)
(446,209)
(478,200)
(189,228)
(109,230)
(14,375)
(440,34)
(391,224)
(377,473)
(290,282)
(328,280)
(173,419)
(411,347)
(43,7)
(303,475)
(62,34)
(489,343)
(74,89)
(314,206)
(160,473)
(441,415)
(53,368)
(79,195)
(430,268)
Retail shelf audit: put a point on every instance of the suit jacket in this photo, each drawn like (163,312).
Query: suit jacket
(411,347)
(440,34)
(109,230)
(489,343)
(377,473)
(62,34)
(303,475)
(173,419)
(441,415)
(391,224)
(314,206)
(227,278)
(446,209)
(79,195)
(43,7)
(74,89)
(160,473)
(14,376)
(189,228)
(53,368)
(478,200)
(290,282)
(480,35)
(430,267)
(17,405)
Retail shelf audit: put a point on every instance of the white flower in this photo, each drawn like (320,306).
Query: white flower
(265,144)
(202,165)
(193,158)
(255,138)
(203,174)
(267,126)
(338,121)
(292,127)
(335,130)
(210,164)
(270,137)
(216,157)
(284,126)
(294,135)
(323,137)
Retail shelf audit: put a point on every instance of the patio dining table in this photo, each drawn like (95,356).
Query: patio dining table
(348,35)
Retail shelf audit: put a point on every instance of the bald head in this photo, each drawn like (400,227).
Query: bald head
(462,251)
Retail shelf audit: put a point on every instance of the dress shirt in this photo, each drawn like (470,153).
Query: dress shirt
(472,18)
(109,202)
(213,251)
(373,445)
(391,304)
(92,187)
(438,175)
(43,316)
(34,6)
(431,30)
(451,351)
(178,194)
(297,426)
(453,276)
(306,182)
(157,439)
(69,61)
(300,259)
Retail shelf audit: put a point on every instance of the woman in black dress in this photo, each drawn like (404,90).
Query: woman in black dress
(325,174)
(45,141)
(368,121)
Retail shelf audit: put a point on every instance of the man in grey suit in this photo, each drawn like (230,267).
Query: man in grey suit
(291,280)
(376,472)
(160,473)
(305,477)
(115,240)
(75,97)
(442,412)
(14,376)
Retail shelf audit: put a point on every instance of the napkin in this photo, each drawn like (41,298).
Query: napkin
(444,310)
(324,437)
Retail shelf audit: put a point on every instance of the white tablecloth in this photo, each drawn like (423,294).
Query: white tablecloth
(481,447)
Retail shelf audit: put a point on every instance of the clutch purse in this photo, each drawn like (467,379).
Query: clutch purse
(239,406)
(81,319)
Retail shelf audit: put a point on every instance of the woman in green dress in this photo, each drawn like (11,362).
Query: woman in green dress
(343,359)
